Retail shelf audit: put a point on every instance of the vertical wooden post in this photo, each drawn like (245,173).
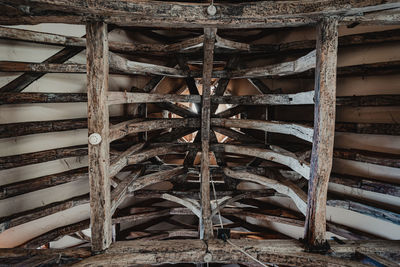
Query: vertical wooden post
(98,123)
(324,132)
(206,227)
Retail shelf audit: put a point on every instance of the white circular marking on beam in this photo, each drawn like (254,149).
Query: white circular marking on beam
(208,257)
(211,10)
(95,139)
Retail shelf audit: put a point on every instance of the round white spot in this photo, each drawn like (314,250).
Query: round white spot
(211,10)
(94,139)
(208,257)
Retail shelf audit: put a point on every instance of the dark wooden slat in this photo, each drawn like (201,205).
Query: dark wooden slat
(98,122)
(190,81)
(368,128)
(383,159)
(27,98)
(324,133)
(31,185)
(8,162)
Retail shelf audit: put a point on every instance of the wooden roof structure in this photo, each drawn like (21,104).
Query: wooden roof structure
(202,139)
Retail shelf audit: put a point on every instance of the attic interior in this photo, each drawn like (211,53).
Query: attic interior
(141,133)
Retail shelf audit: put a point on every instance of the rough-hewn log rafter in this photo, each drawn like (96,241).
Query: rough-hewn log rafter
(324,132)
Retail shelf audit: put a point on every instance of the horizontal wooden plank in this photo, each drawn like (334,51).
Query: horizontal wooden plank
(124,97)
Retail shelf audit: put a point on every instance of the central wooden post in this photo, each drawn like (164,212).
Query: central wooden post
(324,133)
(98,126)
(206,227)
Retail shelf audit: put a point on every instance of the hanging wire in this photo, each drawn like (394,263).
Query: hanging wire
(230,242)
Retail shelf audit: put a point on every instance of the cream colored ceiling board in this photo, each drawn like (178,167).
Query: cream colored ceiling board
(382,199)
(48,111)
(388,114)
(366,170)
(370,142)
(39,142)
(368,224)
(59,28)
(20,234)
(368,54)
(37,170)
(368,85)
(43,197)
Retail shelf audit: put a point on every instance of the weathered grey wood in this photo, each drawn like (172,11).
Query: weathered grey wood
(366,184)
(124,65)
(137,126)
(189,203)
(121,161)
(324,133)
(15,66)
(285,187)
(56,234)
(174,135)
(157,150)
(23,252)
(191,155)
(62,40)
(124,97)
(153,178)
(27,98)
(8,162)
(236,135)
(120,192)
(369,100)
(282,69)
(298,130)
(206,227)
(365,209)
(383,159)
(304,98)
(263,14)
(230,112)
(178,110)
(98,122)
(368,128)
(381,261)
(279,252)
(288,159)
(23,187)
(31,215)
(190,81)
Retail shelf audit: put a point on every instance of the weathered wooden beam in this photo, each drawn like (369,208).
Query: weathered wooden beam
(190,81)
(368,128)
(236,135)
(98,123)
(304,98)
(282,69)
(366,184)
(191,155)
(56,234)
(14,161)
(28,98)
(263,14)
(369,100)
(121,64)
(282,186)
(178,110)
(205,224)
(383,159)
(124,97)
(62,40)
(260,86)
(223,82)
(121,161)
(120,192)
(298,130)
(230,112)
(34,214)
(189,203)
(324,133)
(23,187)
(287,159)
(174,135)
(137,126)
(23,252)
(153,178)
(158,149)
(365,209)
(279,252)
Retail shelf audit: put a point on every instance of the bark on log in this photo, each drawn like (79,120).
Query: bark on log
(8,162)
(98,122)
(205,224)
(298,130)
(324,133)
(124,98)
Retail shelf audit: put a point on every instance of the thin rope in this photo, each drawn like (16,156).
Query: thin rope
(249,255)
(216,201)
